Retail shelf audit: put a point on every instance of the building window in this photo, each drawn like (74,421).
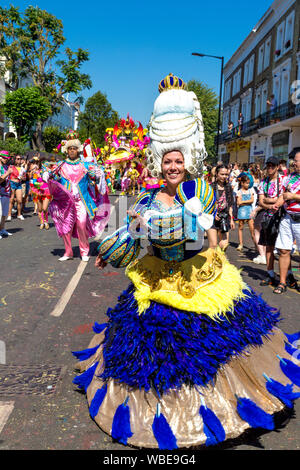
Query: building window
(267,53)
(285,86)
(251,68)
(289,32)
(248,71)
(260,59)
(258,102)
(225,119)
(227,90)
(264,97)
(279,40)
(236,84)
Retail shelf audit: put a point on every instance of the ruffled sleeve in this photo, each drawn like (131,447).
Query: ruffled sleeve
(199,202)
(121,248)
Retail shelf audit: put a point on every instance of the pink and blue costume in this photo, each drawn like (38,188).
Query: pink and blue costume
(80,207)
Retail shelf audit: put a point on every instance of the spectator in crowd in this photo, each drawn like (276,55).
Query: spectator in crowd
(5,172)
(289,229)
(257,213)
(246,172)
(283,168)
(16,178)
(269,191)
(245,199)
(224,200)
(272,103)
(230,128)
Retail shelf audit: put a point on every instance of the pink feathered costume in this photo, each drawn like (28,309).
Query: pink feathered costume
(80,207)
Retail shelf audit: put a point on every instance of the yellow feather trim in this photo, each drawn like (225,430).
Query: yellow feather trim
(213,297)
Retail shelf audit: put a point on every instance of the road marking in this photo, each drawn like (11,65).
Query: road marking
(63,301)
(67,294)
(6,407)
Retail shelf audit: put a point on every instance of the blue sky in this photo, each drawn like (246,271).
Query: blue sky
(134,44)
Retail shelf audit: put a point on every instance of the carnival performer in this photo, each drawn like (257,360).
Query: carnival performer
(125,180)
(33,166)
(190,355)
(133,175)
(5,172)
(41,193)
(78,209)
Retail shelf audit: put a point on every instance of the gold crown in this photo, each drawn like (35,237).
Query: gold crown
(171,82)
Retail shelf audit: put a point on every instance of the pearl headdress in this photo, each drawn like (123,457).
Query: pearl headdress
(176,124)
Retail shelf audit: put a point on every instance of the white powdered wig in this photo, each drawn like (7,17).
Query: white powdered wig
(176,124)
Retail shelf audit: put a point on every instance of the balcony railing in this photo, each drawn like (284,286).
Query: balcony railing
(281,113)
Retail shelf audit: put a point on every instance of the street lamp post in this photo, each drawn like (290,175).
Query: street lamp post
(220,97)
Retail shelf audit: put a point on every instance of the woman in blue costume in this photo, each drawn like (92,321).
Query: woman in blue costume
(190,355)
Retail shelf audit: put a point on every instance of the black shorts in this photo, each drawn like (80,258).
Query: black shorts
(266,238)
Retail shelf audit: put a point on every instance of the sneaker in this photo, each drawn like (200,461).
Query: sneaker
(65,258)
(8,219)
(20,217)
(0,236)
(5,232)
(41,226)
(260,260)
(46,226)
(85,258)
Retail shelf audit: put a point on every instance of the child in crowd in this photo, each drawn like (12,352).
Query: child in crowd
(245,200)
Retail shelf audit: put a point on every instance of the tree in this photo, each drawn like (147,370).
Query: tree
(98,115)
(24,108)
(52,136)
(30,45)
(13,146)
(209,103)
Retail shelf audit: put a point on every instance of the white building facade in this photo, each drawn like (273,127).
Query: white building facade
(266,63)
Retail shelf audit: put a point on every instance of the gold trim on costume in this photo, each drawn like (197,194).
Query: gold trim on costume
(206,283)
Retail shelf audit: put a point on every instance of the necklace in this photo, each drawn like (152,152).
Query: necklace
(73,162)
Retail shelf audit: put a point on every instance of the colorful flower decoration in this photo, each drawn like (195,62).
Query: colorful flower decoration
(125,141)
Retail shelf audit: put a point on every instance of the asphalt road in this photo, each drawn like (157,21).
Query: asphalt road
(47,310)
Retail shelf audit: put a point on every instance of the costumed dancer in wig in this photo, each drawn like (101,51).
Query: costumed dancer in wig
(78,209)
(190,355)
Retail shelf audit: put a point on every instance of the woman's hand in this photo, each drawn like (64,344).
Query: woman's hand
(232,224)
(100,263)
(140,222)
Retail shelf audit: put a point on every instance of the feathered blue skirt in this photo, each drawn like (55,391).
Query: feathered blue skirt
(170,378)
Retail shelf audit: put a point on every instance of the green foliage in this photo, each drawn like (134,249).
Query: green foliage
(31,44)
(24,108)
(209,103)
(52,137)
(97,116)
(13,146)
